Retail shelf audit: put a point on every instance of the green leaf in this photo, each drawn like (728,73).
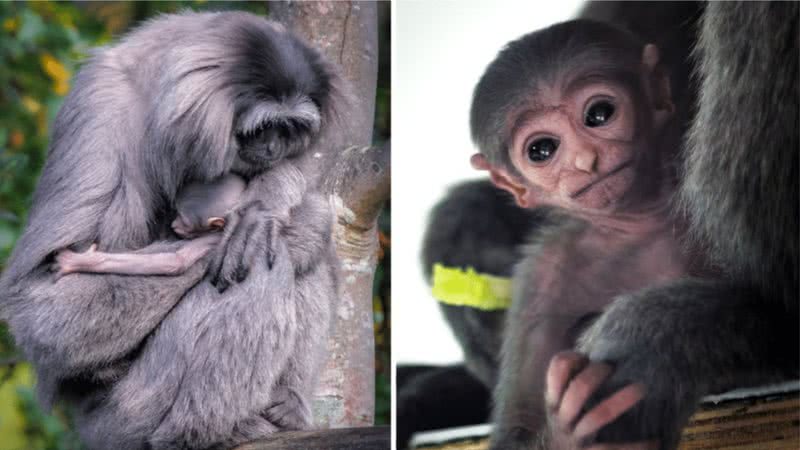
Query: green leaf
(8,235)
(31,27)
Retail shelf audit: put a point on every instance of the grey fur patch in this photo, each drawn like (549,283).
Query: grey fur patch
(296,109)
(165,362)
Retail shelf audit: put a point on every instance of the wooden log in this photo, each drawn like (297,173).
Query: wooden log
(768,422)
(760,423)
(346,32)
(364,438)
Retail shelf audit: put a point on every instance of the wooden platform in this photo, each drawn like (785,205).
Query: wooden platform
(768,421)
(757,424)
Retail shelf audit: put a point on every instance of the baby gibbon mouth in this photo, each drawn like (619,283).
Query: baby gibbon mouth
(592,183)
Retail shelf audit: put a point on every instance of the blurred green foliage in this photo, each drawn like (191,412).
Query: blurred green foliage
(42,45)
(382,313)
(39,48)
(382,283)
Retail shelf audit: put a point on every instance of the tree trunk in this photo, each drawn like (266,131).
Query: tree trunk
(346,32)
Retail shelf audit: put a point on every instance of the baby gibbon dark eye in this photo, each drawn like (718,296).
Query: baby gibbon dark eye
(541,150)
(598,114)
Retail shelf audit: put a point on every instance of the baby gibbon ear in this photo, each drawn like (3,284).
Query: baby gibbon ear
(479,162)
(216,223)
(658,85)
(650,56)
(522,193)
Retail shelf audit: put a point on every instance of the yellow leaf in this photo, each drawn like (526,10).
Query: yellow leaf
(30,104)
(66,19)
(12,427)
(57,72)
(61,87)
(11,24)
(41,122)
(16,139)
(42,8)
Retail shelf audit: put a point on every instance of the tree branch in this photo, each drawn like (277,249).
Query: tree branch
(346,32)
(367,438)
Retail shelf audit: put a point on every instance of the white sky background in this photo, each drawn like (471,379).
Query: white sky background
(440,50)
